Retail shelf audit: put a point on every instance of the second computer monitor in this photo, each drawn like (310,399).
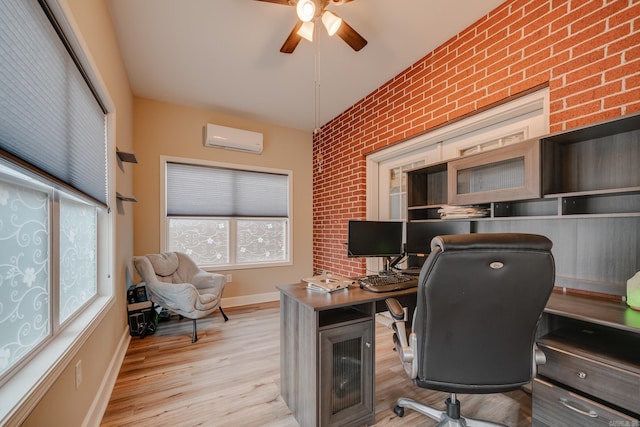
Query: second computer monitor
(419,234)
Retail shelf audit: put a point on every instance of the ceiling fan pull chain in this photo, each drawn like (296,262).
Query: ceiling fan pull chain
(317,86)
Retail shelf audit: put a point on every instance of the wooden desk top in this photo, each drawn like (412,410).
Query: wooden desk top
(325,301)
(594,310)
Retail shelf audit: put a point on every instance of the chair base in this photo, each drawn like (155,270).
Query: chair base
(449,418)
(194,335)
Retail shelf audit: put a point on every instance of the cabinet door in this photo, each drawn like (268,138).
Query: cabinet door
(347,375)
(509,173)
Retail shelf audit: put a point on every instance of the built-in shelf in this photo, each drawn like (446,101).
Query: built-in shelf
(126,198)
(595,192)
(126,157)
(586,200)
(425,207)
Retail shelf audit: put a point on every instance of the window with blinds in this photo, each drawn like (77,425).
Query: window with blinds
(50,118)
(53,184)
(226,216)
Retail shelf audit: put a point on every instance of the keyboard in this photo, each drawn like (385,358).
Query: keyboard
(390,283)
(413,271)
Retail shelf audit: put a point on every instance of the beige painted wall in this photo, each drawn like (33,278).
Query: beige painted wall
(63,405)
(162,129)
(171,130)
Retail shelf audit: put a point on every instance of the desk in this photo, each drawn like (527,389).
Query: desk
(318,330)
(327,340)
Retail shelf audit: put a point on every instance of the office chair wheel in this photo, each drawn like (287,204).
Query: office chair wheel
(399,411)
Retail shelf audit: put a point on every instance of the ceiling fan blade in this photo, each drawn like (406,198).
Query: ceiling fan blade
(283,2)
(292,41)
(351,36)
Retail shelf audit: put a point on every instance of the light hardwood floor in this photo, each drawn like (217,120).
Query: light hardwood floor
(231,378)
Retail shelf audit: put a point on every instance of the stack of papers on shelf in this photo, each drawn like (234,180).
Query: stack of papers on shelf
(457,212)
(327,283)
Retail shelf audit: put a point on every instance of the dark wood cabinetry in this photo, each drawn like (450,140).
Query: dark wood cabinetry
(592,373)
(427,191)
(583,192)
(595,170)
(580,188)
(554,406)
(326,356)
(589,171)
(510,173)
(346,368)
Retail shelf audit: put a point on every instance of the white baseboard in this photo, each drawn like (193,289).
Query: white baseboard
(99,405)
(250,299)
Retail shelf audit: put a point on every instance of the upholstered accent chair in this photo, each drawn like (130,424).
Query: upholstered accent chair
(480,298)
(176,283)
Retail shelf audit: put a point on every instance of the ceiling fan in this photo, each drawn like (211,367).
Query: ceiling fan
(308,11)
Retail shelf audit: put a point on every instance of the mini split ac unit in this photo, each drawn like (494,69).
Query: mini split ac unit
(232,139)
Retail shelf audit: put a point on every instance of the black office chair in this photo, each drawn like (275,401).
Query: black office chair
(480,297)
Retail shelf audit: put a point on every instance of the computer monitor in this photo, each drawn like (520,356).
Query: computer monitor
(374,239)
(420,234)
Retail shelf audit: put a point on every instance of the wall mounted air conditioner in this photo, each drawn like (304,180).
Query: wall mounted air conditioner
(232,139)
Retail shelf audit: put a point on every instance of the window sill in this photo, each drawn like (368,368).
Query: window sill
(214,269)
(21,393)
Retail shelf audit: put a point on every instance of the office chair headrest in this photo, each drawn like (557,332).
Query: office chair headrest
(499,241)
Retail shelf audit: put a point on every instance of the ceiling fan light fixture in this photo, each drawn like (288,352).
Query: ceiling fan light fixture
(306,10)
(331,22)
(306,31)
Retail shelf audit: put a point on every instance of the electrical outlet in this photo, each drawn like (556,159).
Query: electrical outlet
(229,278)
(78,374)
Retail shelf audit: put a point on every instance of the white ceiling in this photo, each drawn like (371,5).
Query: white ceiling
(223,55)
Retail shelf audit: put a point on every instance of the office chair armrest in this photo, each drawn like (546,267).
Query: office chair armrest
(399,328)
(395,308)
(404,347)
(539,358)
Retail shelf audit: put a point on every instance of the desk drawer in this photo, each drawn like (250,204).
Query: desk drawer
(554,406)
(609,383)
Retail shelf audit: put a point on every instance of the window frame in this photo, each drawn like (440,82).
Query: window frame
(528,113)
(33,376)
(27,381)
(164,223)
(54,196)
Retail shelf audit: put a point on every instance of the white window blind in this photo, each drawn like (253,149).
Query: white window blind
(194,190)
(50,118)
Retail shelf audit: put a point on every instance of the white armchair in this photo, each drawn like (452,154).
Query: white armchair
(176,283)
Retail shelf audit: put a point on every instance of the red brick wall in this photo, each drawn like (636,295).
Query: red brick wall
(587,52)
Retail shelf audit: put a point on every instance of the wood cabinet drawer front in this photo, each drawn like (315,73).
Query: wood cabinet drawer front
(554,406)
(603,381)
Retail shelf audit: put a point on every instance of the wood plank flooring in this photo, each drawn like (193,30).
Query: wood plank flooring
(231,378)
